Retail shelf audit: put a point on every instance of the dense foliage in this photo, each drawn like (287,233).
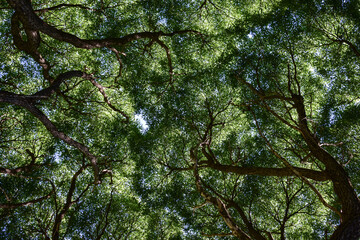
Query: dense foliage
(179,119)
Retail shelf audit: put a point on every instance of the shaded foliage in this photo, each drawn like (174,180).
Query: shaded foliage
(179,119)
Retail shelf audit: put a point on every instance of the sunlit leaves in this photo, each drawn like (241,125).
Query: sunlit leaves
(223,91)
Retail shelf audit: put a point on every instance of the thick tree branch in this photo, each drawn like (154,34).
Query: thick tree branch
(252,231)
(350,204)
(30,46)
(342,184)
(217,203)
(47,92)
(292,168)
(335,172)
(32,21)
(254,234)
(22,100)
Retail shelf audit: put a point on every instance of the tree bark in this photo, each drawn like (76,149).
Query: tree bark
(349,227)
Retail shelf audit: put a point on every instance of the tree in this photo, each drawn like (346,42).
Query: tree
(251,112)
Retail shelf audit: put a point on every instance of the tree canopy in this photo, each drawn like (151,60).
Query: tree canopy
(179,119)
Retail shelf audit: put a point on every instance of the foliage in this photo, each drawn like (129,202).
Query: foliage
(179,119)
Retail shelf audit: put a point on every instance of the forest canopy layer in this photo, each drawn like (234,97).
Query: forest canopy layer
(181,119)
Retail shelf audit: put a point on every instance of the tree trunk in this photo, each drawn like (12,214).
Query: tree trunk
(349,230)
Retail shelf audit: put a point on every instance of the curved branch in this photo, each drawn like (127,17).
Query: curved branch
(15,171)
(167,50)
(342,184)
(255,234)
(217,203)
(292,168)
(23,101)
(32,21)
(24,204)
(58,134)
(46,93)
(106,99)
(31,45)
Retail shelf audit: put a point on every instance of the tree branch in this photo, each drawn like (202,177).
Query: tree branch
(216,202)
(22,100)
(276,172)
(106,99)
(32,21)
(69,202)
(24,204)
